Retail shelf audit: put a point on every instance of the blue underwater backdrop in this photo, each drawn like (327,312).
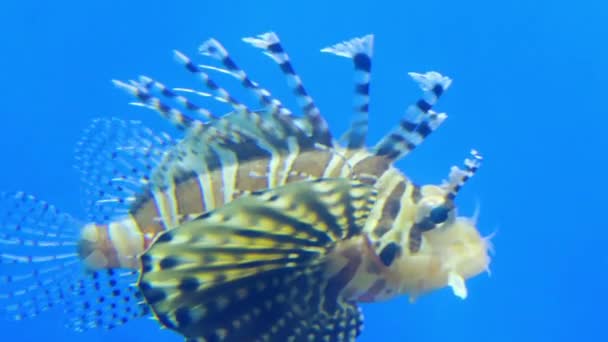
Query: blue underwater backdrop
(528,92)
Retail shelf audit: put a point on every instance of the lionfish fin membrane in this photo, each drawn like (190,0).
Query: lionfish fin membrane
(114,158)
(37,255)
(41,270)
(254,268)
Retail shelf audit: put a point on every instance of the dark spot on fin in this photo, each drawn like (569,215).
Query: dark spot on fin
(168,263)
(189,284)
(164,237)
(152,295)
(280,304)
(389,253)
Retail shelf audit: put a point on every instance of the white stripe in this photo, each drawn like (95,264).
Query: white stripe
(358,156)
(293,150)
(171,199)
(206,187)
(127,241)
(229,170)
(163,210)
(338,160)
(274,161)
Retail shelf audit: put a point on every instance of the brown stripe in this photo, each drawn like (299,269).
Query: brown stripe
(251,159)
(309,164)
(338,165)
(147,216)
(105,245)
(372,165)
(415,240)
(251,175)
(351,251)
(189,198)
(390,210)
(371,294)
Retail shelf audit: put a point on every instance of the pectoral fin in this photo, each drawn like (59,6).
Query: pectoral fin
(254,269)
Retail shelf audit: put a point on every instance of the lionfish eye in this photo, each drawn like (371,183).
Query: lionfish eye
(439,214)
(434,215)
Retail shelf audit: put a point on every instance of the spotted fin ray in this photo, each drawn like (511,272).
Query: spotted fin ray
(419,121)
(34,282)
(39,249)
(255,267)
(115,159)
(42,271)
(270,43)
(360,51)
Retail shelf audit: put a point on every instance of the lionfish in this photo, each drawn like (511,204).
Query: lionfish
(257,225)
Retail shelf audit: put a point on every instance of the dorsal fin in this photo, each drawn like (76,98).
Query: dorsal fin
(216,50)
(271,44)
(115,159)
(236,139)
(360,51)
(150,83)
(221,93)
(419,121)
(176,117)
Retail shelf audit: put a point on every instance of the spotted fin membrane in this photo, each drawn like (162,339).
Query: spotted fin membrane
(253,269)
(41,268)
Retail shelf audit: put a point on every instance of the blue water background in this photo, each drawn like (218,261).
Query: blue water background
(529,86)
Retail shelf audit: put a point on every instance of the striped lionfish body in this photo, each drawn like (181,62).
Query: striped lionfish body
(259,218)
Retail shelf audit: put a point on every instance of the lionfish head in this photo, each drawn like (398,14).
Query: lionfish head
(444,249)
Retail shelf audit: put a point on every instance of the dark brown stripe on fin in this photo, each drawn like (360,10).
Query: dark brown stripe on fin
(390,210)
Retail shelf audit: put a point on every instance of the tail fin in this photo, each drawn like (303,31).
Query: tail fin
(38,255)
(42,270)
